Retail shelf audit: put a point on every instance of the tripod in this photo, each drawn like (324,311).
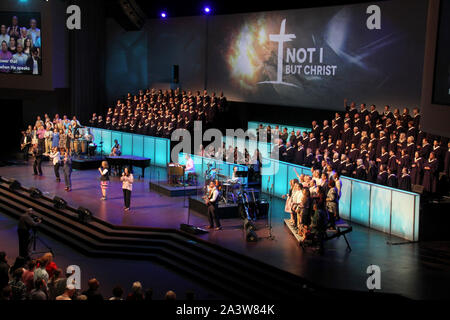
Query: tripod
(34,238)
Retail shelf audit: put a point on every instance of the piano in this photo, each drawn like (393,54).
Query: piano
(122,161)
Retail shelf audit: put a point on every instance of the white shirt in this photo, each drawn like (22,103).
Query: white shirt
(213,197)
(127,182)
(56,157)
(190,165)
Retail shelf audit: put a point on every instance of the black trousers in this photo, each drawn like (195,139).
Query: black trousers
(24,242)
(37,168)
(213,215)
(25,151)
(126,197)
(56,169)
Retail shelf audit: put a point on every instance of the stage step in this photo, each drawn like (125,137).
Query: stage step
(97,237)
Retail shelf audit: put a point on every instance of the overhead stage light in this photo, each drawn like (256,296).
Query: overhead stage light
(163,15)
(207,10)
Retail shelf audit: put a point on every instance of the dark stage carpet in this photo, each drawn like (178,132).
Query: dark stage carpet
(418,271)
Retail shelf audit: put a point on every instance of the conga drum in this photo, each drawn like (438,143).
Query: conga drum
(77,146)
(84,146)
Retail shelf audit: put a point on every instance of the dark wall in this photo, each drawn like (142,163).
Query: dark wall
(435,118)
(86,60)
(12,114)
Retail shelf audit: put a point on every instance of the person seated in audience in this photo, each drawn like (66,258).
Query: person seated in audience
(92,293)
(136,293)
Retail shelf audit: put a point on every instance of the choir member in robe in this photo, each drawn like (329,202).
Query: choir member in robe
(404,181)
(392,180)
(382,176)
(430,174)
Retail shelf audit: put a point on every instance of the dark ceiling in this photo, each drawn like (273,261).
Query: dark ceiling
(153,8)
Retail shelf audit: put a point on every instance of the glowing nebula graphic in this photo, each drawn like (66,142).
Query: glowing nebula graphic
(248,52)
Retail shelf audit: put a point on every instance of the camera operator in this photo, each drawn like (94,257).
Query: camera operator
(27,223)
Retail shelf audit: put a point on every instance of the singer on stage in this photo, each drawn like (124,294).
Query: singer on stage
(212,203)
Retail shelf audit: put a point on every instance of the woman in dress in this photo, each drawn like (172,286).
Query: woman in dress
(127,187)
(104,178)
(55,141)
(62,140)
(331,203)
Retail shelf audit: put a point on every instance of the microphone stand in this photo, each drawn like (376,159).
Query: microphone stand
(270,191)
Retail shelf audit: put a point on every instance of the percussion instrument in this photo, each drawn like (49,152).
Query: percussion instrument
(84,145)
(77,146)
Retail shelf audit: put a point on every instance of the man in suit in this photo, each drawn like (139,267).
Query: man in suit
(67,169)
(212,201)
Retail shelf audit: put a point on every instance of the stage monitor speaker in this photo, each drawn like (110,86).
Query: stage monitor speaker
(175,74)
(249,225)
(59,203)
(84,214)
(251,236)
(417,188)
(129,15)
(13,184)
(35,193)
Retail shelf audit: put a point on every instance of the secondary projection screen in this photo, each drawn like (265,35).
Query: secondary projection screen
(20,39)
(317,57)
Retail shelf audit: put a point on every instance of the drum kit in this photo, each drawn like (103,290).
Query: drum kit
(228,188)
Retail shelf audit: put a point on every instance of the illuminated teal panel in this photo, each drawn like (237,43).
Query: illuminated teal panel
(97,134)
(345,200)
(149,148)
(360,199)
(402,222)
(416,220)
(380,208)
(127,144)
(106,138)
(138,145)
(281,183)
(116,135)
(161,152)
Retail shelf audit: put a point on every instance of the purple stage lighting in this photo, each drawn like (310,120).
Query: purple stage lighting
(207,10)
(163,15)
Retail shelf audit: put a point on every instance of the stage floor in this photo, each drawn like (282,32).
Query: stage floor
(419,271)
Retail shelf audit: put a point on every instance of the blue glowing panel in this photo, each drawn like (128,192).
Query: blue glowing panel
(127,144)
(281,183)
(417,215)
(380,208)
(291,173)
(149,148)
(360,199)
(264,149)
(97,134)
(267,173)
(115,135)
(106,138)
(161,152)
(138,145)
(345,200)
(225,168)
(402,221)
